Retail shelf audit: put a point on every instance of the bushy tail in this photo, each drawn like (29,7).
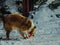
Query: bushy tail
(2,17)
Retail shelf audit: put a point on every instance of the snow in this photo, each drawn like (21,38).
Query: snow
(46,33)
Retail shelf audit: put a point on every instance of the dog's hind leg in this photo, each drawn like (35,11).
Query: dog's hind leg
(7,34)
(8,30)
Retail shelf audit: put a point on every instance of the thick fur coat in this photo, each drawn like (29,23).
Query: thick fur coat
(23,25)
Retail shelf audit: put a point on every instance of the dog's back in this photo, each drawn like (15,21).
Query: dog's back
(19,21)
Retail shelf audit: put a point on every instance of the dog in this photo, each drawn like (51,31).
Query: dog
(24,25)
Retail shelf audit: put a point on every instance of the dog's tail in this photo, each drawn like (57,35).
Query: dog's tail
(2,17)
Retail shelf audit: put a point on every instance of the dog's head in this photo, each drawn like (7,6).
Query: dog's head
(32,29)
(31,33)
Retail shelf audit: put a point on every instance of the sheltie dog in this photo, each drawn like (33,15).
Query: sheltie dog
(24,25)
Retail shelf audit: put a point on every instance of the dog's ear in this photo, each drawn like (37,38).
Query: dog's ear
(34,27)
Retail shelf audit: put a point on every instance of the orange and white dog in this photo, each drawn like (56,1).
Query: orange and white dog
(24,25)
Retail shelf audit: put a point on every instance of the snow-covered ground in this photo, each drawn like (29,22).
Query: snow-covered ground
(46,33)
